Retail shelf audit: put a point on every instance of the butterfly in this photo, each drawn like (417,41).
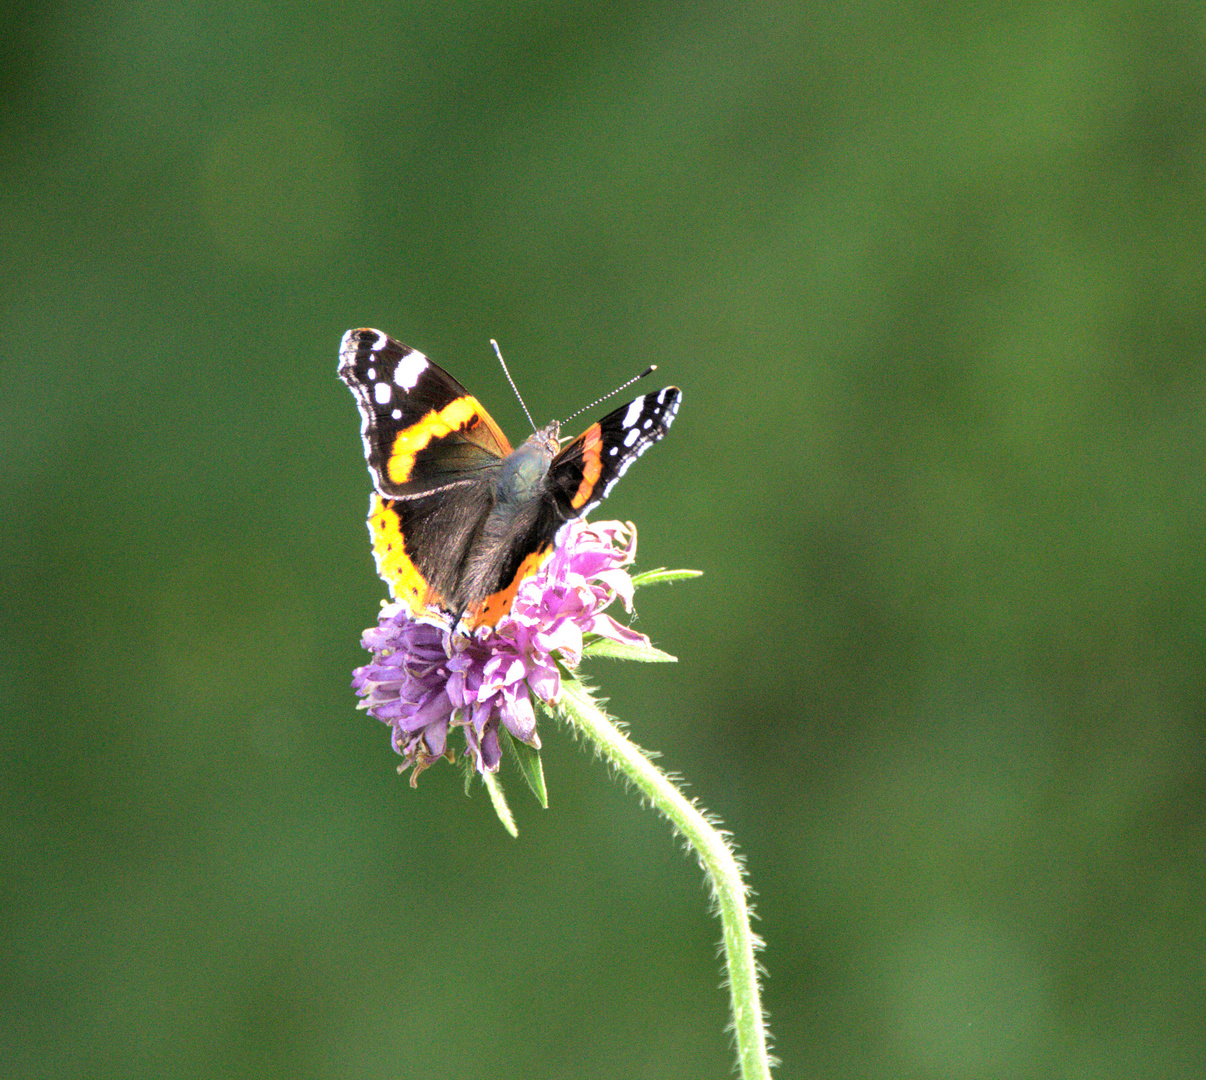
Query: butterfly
(457,517)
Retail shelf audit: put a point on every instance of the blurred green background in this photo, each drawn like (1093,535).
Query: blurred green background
(932,280)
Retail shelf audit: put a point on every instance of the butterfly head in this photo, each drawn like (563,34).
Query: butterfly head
(548,437)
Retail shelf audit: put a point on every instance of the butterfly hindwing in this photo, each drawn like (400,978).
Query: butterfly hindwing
(422,545)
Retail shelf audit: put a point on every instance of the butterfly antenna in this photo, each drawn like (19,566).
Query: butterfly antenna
(623,386)
(498,353)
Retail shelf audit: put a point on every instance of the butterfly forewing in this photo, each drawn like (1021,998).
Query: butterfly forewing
(584,472)
(422,429)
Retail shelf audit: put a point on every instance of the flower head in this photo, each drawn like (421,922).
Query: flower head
(423,679)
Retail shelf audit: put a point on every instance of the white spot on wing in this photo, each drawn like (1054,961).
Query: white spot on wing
(409,369)
(382,392)
(634,413)
(631,436)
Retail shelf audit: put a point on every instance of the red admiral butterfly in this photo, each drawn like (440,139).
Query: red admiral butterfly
(457,518)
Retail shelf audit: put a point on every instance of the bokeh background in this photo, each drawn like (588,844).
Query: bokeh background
(932,280)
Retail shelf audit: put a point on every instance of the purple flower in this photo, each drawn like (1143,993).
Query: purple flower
(423,680)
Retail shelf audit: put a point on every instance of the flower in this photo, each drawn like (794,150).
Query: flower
(423,679)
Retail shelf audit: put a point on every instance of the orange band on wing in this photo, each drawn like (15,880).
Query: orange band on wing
(393,564)
(463,414)
(592,465)
(487,612)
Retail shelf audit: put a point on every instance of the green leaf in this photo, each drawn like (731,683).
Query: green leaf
(528,759)
(500,803)
(619,650)
(660,577)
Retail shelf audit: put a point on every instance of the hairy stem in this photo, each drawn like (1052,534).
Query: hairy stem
(716,857)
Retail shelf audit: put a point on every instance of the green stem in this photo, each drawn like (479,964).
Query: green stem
(717,858)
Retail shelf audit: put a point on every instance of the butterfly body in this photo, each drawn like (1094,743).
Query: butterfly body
(457,518)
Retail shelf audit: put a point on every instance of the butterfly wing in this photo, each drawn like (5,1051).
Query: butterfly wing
(422,430)
(584,472)
(422,546)
(433,453)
